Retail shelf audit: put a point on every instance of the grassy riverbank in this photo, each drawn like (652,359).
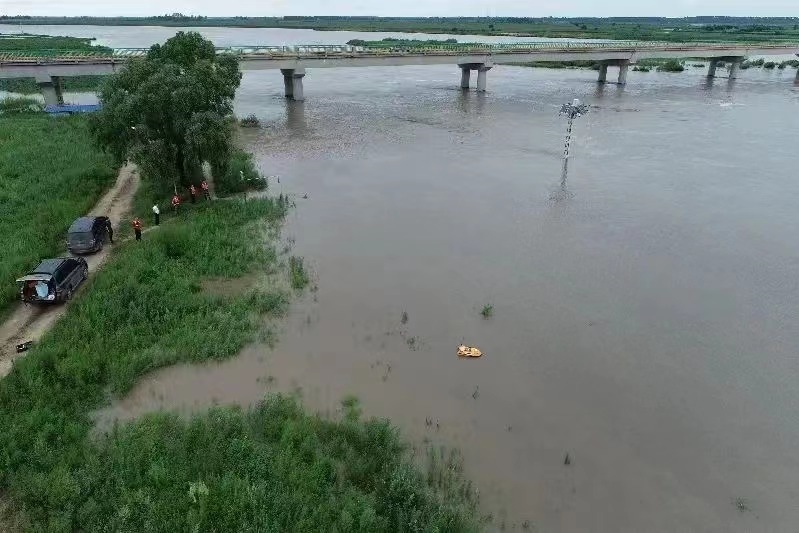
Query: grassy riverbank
(50,173)
(227,470)
(705,29)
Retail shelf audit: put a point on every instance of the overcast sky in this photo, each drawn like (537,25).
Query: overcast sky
(532,8)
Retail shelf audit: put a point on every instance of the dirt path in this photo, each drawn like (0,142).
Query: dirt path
(28,322)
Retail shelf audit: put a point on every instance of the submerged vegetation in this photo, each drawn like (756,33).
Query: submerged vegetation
(299,275)
(487,311)
(43,159)
(273,468)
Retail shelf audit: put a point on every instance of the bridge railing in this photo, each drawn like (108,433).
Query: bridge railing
(389,48)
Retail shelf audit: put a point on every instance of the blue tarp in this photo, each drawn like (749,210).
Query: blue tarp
(71,109)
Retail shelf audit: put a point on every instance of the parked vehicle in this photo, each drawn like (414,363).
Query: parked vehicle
(54,280)
(87,235)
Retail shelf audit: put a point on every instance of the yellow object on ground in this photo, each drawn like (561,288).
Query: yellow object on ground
(468,351)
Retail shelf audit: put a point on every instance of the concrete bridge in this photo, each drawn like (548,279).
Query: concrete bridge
(49,66)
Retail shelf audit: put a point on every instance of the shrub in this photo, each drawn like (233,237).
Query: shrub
(250,121)
(769,65)
(672,65)
(239,176)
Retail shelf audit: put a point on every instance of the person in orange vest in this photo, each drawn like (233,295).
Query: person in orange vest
(137,228)
(193,192)
(175,202)
(206,191)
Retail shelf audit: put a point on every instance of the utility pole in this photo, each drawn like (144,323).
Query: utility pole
(572,110)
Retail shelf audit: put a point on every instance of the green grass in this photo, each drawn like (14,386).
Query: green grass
(13,105)
(487,311)
(299,275)
(50,174)
(273,468)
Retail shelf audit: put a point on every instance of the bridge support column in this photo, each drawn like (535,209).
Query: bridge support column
(624,67)
(482,78)
(50,88)
(603,73)
(734,67)
(482,74)
(711,70)
(292,82)
(466,73)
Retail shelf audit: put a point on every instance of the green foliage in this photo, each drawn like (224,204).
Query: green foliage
(299,275)
(43,43)
(13,105)
(272,468)
(142,312)
(643,68)
(672,65)
(50,174)
(487,311)
(168,112)
(769,65)
(238,175)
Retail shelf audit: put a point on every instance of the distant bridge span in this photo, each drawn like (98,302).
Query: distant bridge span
(48,66)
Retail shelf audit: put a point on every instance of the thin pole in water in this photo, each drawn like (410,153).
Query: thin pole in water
(571,110)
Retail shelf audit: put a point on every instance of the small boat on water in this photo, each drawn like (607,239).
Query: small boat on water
(468,351)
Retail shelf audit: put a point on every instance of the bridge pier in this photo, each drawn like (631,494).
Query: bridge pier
(466,74)
(50,87)
(482,74)
(624,67)
(603,73)
(711,70)
(734,67)
(292,82)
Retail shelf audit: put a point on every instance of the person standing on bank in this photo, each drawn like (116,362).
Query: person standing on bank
(206,191)
(110,230)
(137,228)
(175,203)
(156,214)
(193,191)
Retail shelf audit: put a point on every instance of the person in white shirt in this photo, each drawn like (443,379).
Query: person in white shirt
(157,214)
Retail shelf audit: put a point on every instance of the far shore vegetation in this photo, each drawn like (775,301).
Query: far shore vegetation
(696,29)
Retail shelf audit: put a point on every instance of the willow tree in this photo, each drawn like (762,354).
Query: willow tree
(168,112)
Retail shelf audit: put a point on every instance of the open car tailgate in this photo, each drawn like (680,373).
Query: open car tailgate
(35,277)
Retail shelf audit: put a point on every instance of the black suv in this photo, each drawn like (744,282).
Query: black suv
(54,280)
(87,235)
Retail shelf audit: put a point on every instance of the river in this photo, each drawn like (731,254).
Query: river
(645,323)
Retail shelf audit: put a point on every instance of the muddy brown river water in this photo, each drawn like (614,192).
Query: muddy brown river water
(645,324)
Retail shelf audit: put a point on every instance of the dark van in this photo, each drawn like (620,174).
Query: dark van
(54,280)
(87,235)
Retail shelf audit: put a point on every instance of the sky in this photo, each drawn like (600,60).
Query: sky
(532,8)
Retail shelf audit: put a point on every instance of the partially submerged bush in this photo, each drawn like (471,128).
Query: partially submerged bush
(250,121)
(672,65)
(239,176)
